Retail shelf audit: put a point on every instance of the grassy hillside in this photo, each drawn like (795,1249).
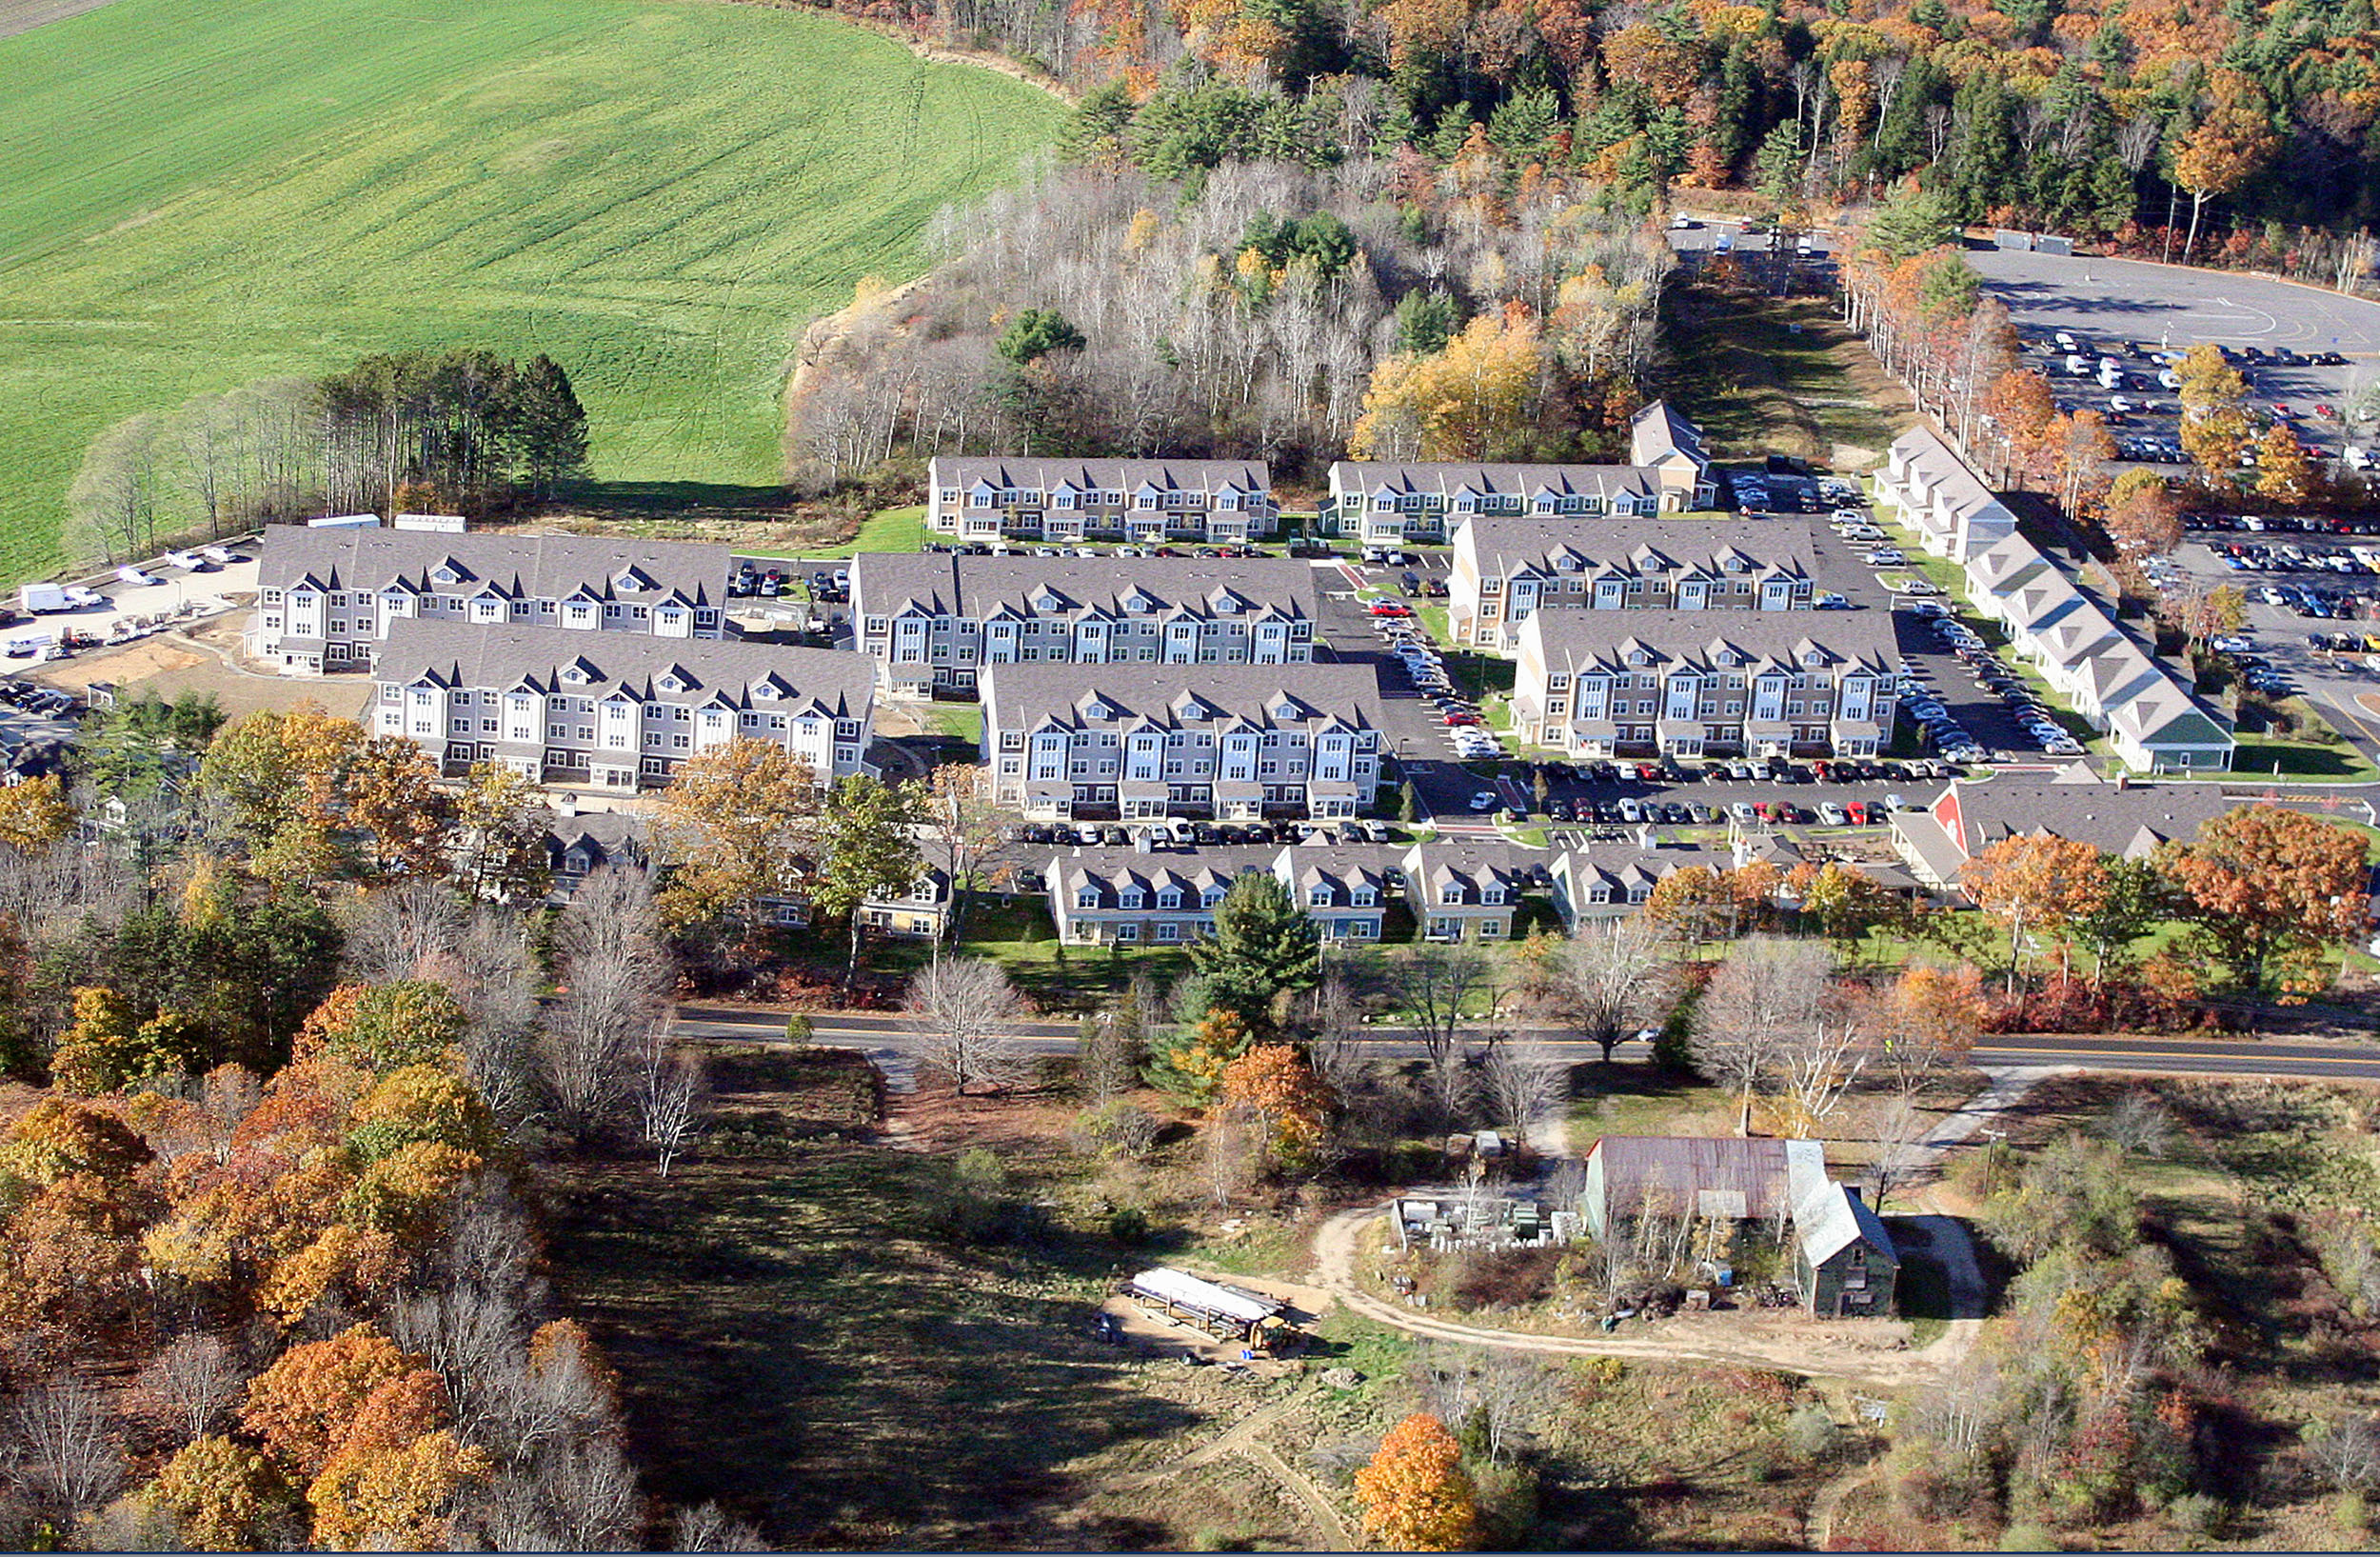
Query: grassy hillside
(659,194)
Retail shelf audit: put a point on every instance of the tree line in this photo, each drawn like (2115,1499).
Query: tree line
(458,432)
(2092,118)
(1260,308)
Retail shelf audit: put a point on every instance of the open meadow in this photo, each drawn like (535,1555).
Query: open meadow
(658,196)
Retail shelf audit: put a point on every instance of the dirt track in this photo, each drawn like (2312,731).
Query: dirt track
(1831,1352)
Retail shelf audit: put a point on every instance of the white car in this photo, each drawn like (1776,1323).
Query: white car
(1834,815)
(2120,402)
(1886,557)
(1483,800)
(1681,223)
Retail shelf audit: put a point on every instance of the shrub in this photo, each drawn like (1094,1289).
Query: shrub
(2353,1513)
(2197,1515)
(1511,1278)
(1128,1226)
(1811,1431)
(2027,1536)
(1115,1128)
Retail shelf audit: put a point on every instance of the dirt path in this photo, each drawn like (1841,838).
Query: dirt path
(1817,1527)
(1338,1537)
(1334,1255)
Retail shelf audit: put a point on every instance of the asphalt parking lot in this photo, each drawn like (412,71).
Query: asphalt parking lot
(1419,735)
(2278,633)
(180,595)
(2119,306)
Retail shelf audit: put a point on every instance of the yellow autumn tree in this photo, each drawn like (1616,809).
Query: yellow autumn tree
(35,814)
(1471,401)
(1415,1495)
(224,1495)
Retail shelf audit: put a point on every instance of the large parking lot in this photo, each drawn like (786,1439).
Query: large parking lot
(1417,699)
(2310,626)
(2308,356)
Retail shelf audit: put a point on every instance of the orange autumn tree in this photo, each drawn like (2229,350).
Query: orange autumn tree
(2271,890)
(302,1407)
(1290,1102)
(2036,883)
(1927,1019)
(1415,1495)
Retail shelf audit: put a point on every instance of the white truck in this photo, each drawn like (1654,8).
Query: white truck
(38,599)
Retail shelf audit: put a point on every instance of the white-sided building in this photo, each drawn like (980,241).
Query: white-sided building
(990,496)
(1504,571)
(931,621)
(328,599)
(1933,491)
(1228,741)
(1166,897)
(1660,438)
(1388,503)
(1603,684)
(613,711)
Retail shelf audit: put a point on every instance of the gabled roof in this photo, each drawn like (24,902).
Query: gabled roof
(1007,470)
(1659,431)
(1574,641)
(1432,479)
(1833,1219)
(517,566)
(987,589)
(818,681)
(1028,696)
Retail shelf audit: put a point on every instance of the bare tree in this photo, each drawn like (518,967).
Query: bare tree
(1523,1082)
(1435,986)
(707,1527)
(617,977)
(960,1007)
(69,1445)
(403,931)
(1615,979)
(959,833)
(672,1098)
(1816,1064)
(2345,1453)
(2139,1125)
(191,1384)
(1900,1135)
(1335,1051)
(1768,992)
(1234,1141)
(472,1337)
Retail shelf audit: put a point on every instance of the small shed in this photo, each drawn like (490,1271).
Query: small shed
(1228,1314)
(1844,1258)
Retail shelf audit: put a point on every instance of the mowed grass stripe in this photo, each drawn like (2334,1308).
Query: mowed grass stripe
(660,195)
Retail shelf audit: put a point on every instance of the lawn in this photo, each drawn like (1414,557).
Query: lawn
(658,196)
(2302,759)
(887,529)
(1765,375)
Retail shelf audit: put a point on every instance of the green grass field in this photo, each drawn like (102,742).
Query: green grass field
(659,195)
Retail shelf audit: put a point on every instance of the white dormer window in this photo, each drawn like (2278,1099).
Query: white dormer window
(446,575)
(1638,656)
(670,684)
(1046,602)
(627,584)
(1192,710)
(767,691)
(1225,605)
(576,675)
(1286,710)
(1095,711)
(1320,897)
(1129,898)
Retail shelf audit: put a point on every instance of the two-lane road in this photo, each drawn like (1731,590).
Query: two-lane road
(890,1037)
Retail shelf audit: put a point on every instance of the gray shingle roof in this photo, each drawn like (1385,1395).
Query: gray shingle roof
(1572,638)
(1659,430)
(2126,820)
(1833,1219)
(1432,479)
(739,673)
(1006,470)
(944,584)
(518,566)
(1505,546)
(1021,696)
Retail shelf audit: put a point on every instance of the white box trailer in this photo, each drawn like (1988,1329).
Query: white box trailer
(443,524)
(344,521)
(38,598)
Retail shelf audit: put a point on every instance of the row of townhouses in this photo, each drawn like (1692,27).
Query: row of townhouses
(329,599)
(614,712)
(996,496)
(1386,502)
(1759,684)
(2125,818)
(2152,718)
(1505,570)
(1228,741)
(1453,889)
(933,621)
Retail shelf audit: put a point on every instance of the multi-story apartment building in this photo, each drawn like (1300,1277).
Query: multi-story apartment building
(328,599)
(1599,684)
(984,497)
(931,621)
(1231,742)
(1506,570)
(1385,503)
(1936,494)
(1661,439)
(1608,880)
(613,711)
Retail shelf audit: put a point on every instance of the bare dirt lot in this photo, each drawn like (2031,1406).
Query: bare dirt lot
(204,659)
(23,15)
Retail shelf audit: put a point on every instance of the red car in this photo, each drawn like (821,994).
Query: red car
(1648,772)
(1390,608)
(2280,410)
(2325,410)
(1463,719)
(1858,812)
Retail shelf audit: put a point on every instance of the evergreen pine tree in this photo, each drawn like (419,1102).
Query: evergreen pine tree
(1263,944)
